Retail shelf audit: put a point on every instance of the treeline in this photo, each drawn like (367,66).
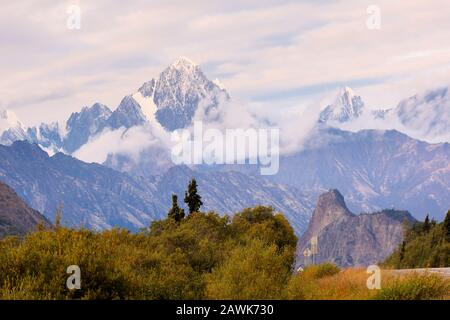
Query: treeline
(425,245)
(192,256)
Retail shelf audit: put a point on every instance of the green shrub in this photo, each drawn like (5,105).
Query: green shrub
(416,287)
(170,260)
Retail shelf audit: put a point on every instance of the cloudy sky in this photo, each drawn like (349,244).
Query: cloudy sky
(276,54)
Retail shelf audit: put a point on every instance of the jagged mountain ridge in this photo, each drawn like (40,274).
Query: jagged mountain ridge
(178,92)
(424,116)
(367,184)
(170,101)
(347,239)
(99,197)
(347,106)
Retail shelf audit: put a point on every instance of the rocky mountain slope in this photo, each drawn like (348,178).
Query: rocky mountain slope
(374,170)
(99,197)
(16,217)
(351,240)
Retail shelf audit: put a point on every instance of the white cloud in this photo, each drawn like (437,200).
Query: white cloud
(130,142)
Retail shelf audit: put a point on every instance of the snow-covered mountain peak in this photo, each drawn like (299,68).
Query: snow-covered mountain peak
(128,114)
(88,116)
(183,63)
(170,100)
(180,89)
(347,106)
(181,73)
(11,129)
(346,91)
(97,110)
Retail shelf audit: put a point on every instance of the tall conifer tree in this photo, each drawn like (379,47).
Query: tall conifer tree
(175,213)
(192,198)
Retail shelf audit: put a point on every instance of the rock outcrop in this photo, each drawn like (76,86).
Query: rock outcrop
(347,239)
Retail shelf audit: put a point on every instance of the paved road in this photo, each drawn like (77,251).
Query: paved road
(441,271)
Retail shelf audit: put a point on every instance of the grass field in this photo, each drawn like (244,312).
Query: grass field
(350,284)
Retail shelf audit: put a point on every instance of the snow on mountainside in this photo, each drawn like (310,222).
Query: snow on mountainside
(427,114)
(374,169)
(11,129)
(169,102)
(348,106)
(179,91)
(82,125)
(48,135)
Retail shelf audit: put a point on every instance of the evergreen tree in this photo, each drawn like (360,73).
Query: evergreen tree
(426,224)
(176,213)
(402,251)
(192,198)
(447,226)
(426,245)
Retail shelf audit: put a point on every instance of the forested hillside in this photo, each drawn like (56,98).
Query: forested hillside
(425,245)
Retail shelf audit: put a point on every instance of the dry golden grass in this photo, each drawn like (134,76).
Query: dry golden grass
(350,284)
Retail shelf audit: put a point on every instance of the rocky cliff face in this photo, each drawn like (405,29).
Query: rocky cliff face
(351,240)
(330,208)
(16,217)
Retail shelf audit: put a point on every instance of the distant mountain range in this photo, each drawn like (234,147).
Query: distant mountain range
(425,116)
(374,169)
(181,90)
(170,101)
(96,196)
(347,239)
